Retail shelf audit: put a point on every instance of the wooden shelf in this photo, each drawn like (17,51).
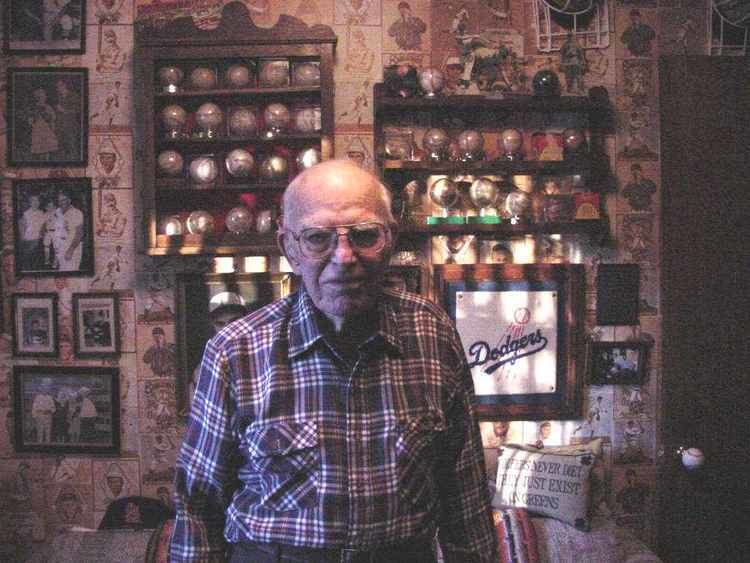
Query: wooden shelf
(238,92)
(591,227)
(215,244)
(487,168)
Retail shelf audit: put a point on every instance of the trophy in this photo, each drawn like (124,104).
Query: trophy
(444,194)
(483,194)
(470,146)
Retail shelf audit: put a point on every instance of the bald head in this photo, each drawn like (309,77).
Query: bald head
(330,184)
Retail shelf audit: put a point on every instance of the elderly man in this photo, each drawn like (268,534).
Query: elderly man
(335,424)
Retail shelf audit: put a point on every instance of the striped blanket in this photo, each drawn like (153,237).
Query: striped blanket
(516,537)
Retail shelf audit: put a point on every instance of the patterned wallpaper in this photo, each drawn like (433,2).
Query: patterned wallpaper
(39,493)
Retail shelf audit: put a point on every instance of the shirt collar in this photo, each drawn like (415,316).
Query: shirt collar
(305,331)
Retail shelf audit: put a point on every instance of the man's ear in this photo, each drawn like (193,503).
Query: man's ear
(288,253)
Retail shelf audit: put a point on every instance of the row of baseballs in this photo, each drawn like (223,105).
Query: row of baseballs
(239,163)
(238,220)
(273,73)
(242,121)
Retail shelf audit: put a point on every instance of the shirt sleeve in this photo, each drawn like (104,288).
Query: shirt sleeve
(466,530)
(205,475)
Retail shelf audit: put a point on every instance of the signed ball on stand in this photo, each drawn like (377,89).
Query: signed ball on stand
(200,222)
(511,141)
(203,170)
(470,142)
(171,225)
(242,122)
(174,117)
(277,116)
(170,78)
(170,162)
(308,157)
(239,163)
(306,74)
(203,78)
(274,168)
(483,193)
(238,76)
(435,140)
(209,116)
(444,193)
(239,220)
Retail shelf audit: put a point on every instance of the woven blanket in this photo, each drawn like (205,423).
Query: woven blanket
(516,537)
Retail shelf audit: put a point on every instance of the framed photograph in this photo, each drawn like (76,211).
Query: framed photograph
(208,302)
(35,27)
(521,326)
(66,409)
(47,115)
(96,323)
(35,325)
(618,363)
(53,227)
(407,278)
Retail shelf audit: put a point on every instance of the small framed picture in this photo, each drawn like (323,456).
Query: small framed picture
(66,409)
(35,325)
(618,362)
(47,112)
(96,325)
(33,27)
(53,226)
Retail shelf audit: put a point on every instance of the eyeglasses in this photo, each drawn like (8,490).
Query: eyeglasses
(366,239)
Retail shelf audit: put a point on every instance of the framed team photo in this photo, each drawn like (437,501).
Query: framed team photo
(35,325)
(36,27)
(618,363)
(96,325)
(47,113)
(53,226)
(66,409)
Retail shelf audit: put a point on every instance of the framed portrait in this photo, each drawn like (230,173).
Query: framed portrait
(407,278)
(47,113)
(53,227)
(208,302)
(96,323)
(617,363)
(35,27)
(66,409)
(521,326)
(35,331)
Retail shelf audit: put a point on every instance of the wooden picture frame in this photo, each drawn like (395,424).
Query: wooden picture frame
(48,114)
(66,409)
(96,325)
(48,216)
(30,28)
(617,363)
(206,302)
(35,331)
(521,326)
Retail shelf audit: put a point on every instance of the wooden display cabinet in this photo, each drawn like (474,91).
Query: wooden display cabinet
(225,116)
(400,127)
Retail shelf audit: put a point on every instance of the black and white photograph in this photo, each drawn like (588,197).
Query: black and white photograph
(52,220)
(66,409)
(618,362)
(35,325)
(45,27)
(96,324)
(47,113)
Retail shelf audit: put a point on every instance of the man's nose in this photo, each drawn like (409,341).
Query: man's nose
(343,251)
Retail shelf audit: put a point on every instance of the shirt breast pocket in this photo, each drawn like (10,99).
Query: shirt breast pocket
(416,442)
(286,459)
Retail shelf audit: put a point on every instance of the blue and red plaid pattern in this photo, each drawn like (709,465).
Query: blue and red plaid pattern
(287,444)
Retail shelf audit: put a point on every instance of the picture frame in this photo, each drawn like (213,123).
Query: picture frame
(521,326)
(32,28)
(205,303)
(49,215)
(35,331)
(96,325)
(47,113)
(70,409)
(617,363)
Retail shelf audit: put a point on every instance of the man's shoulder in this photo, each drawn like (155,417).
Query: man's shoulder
(266,317)
(408,303)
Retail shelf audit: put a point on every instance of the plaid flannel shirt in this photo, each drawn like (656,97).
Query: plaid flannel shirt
(286,444)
